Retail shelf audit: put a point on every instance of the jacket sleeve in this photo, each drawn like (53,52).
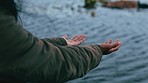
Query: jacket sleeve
(62,63)
(56,41)
(27,58)
(67,62)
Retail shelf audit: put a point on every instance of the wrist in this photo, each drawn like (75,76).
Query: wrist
(100,48)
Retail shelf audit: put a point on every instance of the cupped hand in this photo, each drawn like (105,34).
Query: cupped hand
(76,40)
(109,46)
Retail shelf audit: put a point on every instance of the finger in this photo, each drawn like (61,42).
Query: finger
(79,37)
(114,44)
(81,40)
(117,40)
(110,41)
(106,42)
(116,48)
(76,37)
(82,37)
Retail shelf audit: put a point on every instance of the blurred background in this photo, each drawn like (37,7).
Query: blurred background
(54,18)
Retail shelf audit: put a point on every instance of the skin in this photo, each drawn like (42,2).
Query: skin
(107,47)
(76,40)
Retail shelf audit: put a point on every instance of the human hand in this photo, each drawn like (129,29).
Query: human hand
(109,47)
(76,40)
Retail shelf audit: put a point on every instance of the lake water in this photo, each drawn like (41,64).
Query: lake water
(54,18)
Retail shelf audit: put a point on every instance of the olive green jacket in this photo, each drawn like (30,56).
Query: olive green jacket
(28,58)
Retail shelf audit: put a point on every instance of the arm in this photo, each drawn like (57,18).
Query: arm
(63,63)
(63,41)
(25,57)
(58,41)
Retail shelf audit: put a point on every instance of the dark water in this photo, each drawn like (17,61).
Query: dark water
(54,18)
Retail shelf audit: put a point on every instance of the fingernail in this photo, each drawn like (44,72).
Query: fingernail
(119,43)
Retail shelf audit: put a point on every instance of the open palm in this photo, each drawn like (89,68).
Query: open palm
(76,40)
(109,46)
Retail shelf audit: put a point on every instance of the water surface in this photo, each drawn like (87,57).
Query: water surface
(54,18)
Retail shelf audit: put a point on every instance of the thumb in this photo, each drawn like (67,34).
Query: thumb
(65,36)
